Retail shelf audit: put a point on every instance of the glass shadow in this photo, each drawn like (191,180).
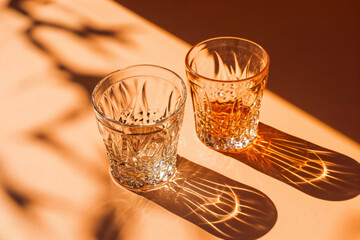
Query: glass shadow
(219,205)
(314,170)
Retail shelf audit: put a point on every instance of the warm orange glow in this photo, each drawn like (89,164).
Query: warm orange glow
(294,161)
(310,168)
(54,178)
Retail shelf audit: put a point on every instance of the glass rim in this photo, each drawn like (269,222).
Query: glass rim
(189,69)
(96,88)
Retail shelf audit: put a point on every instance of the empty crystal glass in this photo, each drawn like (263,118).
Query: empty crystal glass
(139,112)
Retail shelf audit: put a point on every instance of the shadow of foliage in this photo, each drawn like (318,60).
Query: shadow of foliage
(86,32)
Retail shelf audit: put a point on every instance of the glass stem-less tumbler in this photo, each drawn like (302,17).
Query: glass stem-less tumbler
(139,112)
(227,77)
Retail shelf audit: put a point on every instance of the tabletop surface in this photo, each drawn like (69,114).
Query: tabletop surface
(300,180)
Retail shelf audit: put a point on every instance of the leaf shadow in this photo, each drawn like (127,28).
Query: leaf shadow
(86,32)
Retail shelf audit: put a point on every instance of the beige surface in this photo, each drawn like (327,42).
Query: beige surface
(54,182)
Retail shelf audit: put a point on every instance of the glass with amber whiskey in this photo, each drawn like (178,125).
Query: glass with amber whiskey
(227,77)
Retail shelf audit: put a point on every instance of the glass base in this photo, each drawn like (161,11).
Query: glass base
(226,144)
(140,184)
